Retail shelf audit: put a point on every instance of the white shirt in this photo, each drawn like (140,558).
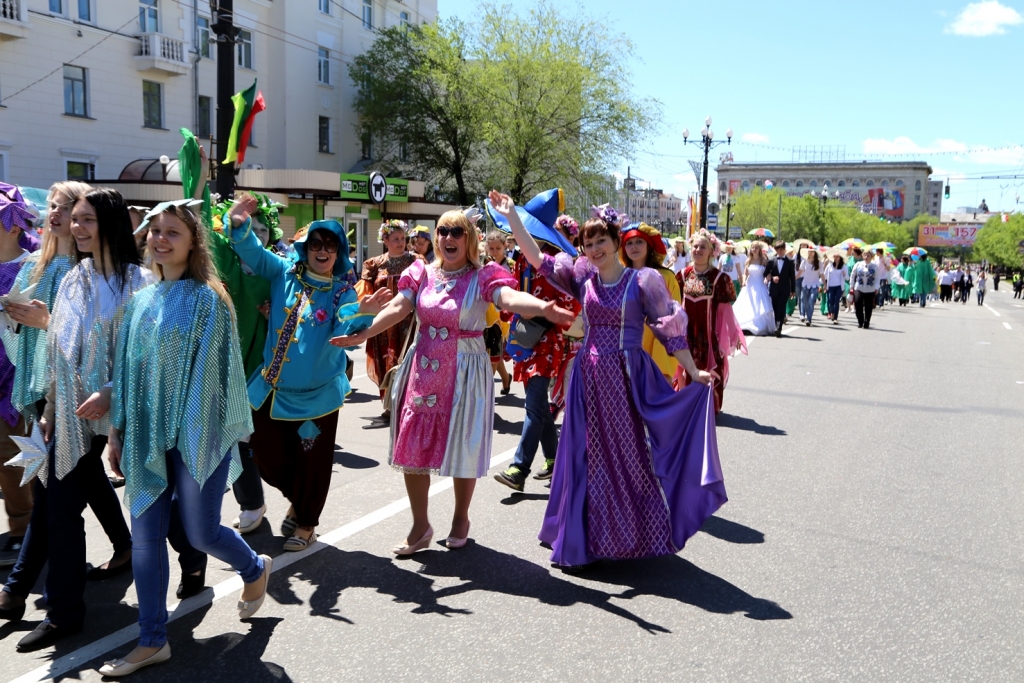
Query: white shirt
(945,277)
(727,264)
(811,277)
(835,277)
(865,277)
(679,263)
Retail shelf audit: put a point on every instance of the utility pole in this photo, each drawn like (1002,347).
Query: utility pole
(224,28)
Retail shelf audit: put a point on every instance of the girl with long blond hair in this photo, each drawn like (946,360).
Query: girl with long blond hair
(177,415)
(443,393)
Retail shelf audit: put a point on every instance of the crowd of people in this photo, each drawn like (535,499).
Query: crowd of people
(200,350)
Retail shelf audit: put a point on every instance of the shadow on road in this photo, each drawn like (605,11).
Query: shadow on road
(352,461)
(333,571)
(503,426)
(360,397)
(732,532)
(747,424)
(514,498)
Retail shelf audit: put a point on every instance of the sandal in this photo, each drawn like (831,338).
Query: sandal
(297,543)
(289,525)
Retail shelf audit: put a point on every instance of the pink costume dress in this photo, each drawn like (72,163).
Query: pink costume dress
(444,385)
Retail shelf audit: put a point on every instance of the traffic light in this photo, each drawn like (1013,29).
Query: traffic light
(947,188)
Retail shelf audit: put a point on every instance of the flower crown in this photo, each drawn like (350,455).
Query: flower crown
(568,224)
(607,214)
(388,227)
(267,212)
(716,244)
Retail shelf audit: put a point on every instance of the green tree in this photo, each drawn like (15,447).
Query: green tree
(999,242)
(417,96)
(560,110)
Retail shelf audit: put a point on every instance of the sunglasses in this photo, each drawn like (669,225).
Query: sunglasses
(456,232)
(316,244)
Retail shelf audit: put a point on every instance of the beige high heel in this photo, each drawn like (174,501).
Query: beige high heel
(406,549)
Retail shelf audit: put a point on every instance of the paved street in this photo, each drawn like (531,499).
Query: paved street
(874,532)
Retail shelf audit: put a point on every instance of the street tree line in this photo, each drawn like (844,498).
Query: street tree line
(519,102)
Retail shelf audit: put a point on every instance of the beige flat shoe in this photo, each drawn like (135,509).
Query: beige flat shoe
(247,608)
(118,667)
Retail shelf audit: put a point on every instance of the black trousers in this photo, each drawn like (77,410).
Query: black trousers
(779,303)
(863,306)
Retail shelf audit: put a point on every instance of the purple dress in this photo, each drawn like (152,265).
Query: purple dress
(637,470)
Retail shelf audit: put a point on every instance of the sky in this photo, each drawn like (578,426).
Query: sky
(936,81)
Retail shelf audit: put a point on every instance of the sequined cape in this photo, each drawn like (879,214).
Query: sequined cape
(28,348)
(302,374)
(83,339)
(179,383)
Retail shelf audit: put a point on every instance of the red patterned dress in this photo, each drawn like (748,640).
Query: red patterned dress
(387,349)
(552,351)
(703,293)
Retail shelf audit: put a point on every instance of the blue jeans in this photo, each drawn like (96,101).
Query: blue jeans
(808,299)
(538,426)
(200,516)
(835,295)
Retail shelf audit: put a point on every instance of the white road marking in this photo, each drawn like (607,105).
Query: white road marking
(1007,326)
(75,659)
(994,311)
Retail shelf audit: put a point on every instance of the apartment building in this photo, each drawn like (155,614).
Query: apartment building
(89,86)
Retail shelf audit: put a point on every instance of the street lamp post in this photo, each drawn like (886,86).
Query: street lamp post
(707,136)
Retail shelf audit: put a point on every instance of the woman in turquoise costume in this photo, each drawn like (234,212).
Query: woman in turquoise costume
(178,411)
(301,384)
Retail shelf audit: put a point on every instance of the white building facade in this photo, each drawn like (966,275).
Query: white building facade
(897,190)
(654,207)
(88,86)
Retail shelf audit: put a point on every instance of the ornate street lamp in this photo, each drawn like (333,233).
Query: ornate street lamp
(707,142)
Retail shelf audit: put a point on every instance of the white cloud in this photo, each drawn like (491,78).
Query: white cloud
(684,184)
(952,149)
(754,138)
(984,19)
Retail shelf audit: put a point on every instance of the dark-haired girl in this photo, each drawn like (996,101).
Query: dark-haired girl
(642,248)
(82,334)
(637,471)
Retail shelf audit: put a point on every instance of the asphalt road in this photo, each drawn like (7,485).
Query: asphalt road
(873,533)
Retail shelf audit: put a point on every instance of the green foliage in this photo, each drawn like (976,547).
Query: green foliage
(998,242)
(805,217)
(417,95)
(519,102)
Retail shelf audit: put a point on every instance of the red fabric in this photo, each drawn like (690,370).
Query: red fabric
(551,351)
(258,105)
(703,293)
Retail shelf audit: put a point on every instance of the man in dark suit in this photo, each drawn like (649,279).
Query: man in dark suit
(780,274)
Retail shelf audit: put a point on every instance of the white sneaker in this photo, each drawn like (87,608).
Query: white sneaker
(249,520)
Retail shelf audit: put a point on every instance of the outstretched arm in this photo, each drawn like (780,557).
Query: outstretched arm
(530,306)
(391,315)
(504,205)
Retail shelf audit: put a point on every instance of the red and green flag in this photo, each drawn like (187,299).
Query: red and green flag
(247,103)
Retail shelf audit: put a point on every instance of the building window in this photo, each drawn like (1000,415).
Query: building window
(3,167)
(368,15)
(799,183)
(856,183)
(57,6)
(746,185)
(85,10)
(81,170)
(203,38)
(367,145)
(885,183)
(403,19)
(204,116)
(842,183)
(152,105)
(917,200)
(899,183)
(403,152)
(323,72)
(870,183)
(324,6)
(149,16)
(917,185)
(325,134)
(75,94)
(245,49)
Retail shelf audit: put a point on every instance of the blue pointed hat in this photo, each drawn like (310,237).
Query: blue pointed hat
(539,216)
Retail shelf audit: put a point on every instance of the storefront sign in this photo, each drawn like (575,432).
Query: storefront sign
(356,186)
(947,235)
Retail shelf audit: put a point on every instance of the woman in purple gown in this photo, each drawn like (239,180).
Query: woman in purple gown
(637,470)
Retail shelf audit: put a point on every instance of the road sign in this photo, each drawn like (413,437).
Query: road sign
(712,222)
(713,209)
(378,189)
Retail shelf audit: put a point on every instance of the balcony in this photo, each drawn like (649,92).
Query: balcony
(158,52)
(13,19)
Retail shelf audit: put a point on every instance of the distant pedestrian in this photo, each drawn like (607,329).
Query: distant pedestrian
(982,282)
(810,281)
(781,278)
(864,283)
(945,284)
(967,284)
(836,277)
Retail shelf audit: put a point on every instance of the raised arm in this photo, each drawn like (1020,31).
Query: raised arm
(504,205)
(238,227)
